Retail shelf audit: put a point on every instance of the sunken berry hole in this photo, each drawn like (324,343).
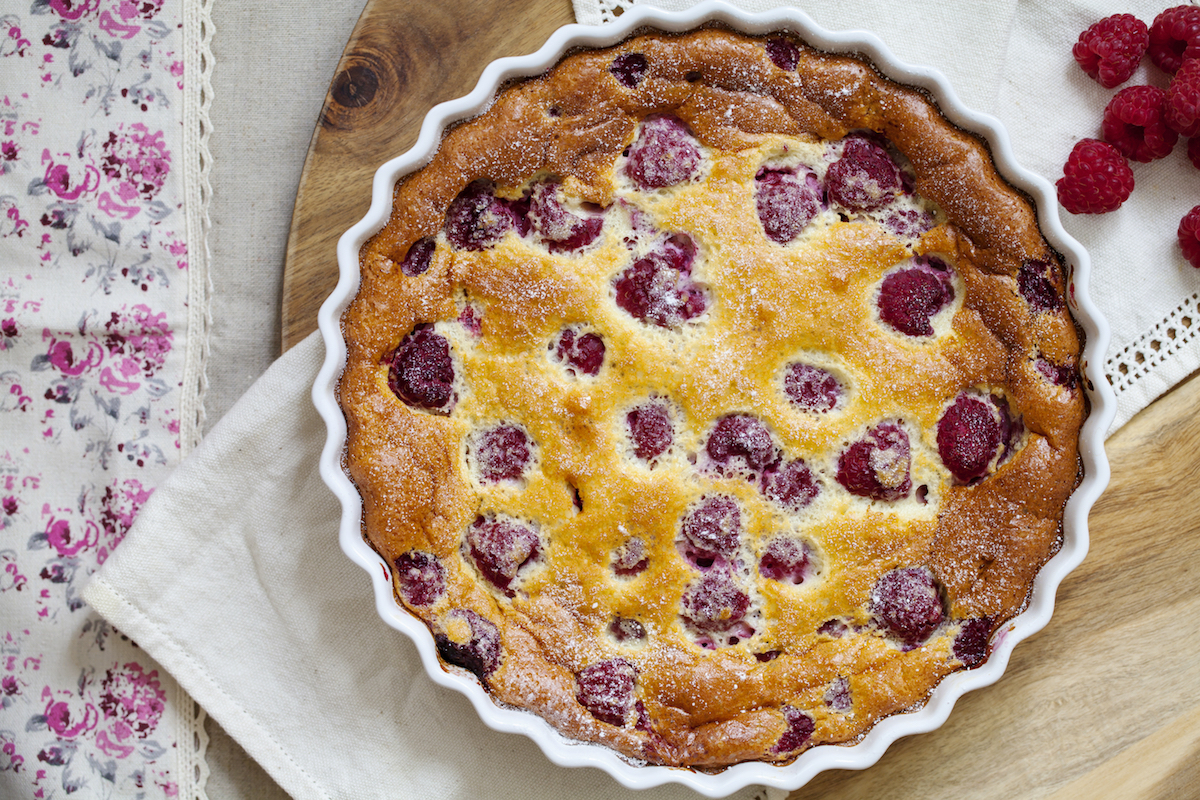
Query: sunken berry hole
(631,558)
(470,642)
(663,154)
(651,430)
(716,605)
(418,258)
(786,560)
(658,289)
(912,295)
(783,53)
(792,484)
(629,69)
(742,443)
(561,230)
(879,465)
(477,219)
(627,631)
(1036,281)
(711,531)
(837,696)
(421,577)
(971,643)
(786,201)
(812,389)
(799,729)
(865,177)
(907,605)
(580,353)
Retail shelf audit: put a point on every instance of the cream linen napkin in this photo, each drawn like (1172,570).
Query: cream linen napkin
(254,609)
(1012,59)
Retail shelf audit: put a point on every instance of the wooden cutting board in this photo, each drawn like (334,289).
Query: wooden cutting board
(1105,703)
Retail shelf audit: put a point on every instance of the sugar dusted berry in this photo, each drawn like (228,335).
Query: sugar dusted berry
(911,296)
(1189,236)
(785,560)
(421,577)
(501,453)
(631,558)
(658,288)
(560,230)
(606,690)
(627,631)
(471,642)
(878,466)
(812,389)
(799,730)
(1175,37)
(1183,100)
(629,69)
(837,696)
(418,258)
(1135,122)
(500,547)
(786,201)
(715,603)
(971,643)
(741,443)
(1110,50)
(864,178)
(1037,280)
(711,530)
(907,605)
(1096,178)
(650,430)
(969,437)
(1066,375)
(791,484)
(477,218)
(783,53)
(581,353)
(663,154)
(421,372)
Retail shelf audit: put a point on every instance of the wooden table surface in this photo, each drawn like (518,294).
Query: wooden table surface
(1104,703)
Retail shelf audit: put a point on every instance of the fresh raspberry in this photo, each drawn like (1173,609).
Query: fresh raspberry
(1135,121)
(1096,179)
(1175,37)
(1183,99)
(1189,236)
(1194,151)
(1110,50)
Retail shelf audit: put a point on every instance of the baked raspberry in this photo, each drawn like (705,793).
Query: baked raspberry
(558,229)
(650,430)
(500,547)
(1175,37)
(421,577)
(783,53)
(626,630)
(1096,178)
(1183,100)
(811,388)
(1189,236)
(715,602)
(658,289)
(711,530)
(837,696)
(631,558)
(878,465)
(1193,151)
(1060,374)
(907,605)
(664,154)
(800,727)
(477,219)
(786,200)
(911,296)
(971,644)
(790,484)
(969,437)
(785,559)
(1037,280)
(741,443)
(909,223)
(834,628)
(1135,122)
(606,690)
(629,69)
(471,319)
(501,453)
(580,353)
(1111,50)
(418,258)
(421,371)
(865,178)
(480,653)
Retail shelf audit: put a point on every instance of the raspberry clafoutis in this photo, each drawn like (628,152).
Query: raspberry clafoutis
(711,397)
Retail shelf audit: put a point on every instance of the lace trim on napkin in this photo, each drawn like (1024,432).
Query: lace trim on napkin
(192,738)
(1172,343)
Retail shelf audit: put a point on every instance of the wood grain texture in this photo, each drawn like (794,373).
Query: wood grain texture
(404,57)
(1105,702)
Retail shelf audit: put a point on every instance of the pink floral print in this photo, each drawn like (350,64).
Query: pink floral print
(92,319)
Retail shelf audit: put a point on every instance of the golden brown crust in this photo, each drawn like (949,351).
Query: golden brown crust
(984,542)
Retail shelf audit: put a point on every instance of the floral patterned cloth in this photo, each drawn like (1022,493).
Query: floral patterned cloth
(94,311)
